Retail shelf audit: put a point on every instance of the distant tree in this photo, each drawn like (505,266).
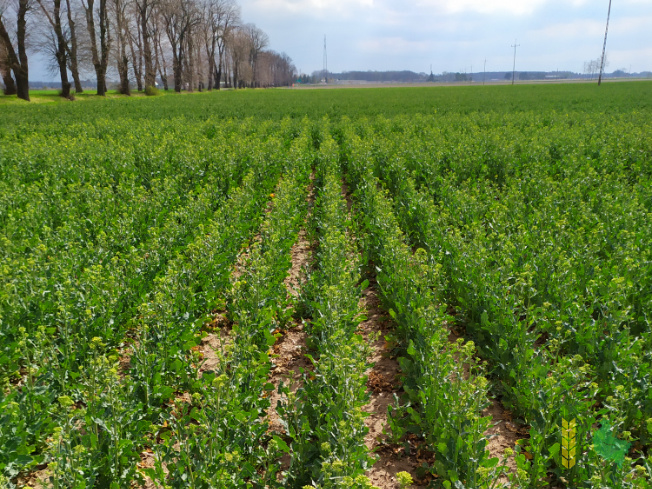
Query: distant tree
(240,50)
(258,41)
(592,67)
(219,18)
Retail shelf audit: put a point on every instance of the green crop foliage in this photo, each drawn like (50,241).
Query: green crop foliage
(519,217)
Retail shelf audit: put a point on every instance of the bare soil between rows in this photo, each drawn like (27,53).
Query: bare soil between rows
(383,384)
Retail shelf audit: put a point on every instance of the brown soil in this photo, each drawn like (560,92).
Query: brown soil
(346,193)
(503,434)
(38,479)
(288,352)
(214,344)
(289,360)
(383,384)
(301,253)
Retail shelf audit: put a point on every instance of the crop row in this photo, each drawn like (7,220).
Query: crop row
(220,438)
(526,235)
(324,420)
(541,250)
(70,354)
(445,391)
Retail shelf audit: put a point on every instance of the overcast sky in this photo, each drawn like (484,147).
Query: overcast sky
(450,35)
(455,35)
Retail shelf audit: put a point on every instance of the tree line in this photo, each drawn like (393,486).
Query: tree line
(184,44)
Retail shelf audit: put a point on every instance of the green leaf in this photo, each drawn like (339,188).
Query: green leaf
(176,365)
(410,349)
(281,444)
(270,338)
(492,462)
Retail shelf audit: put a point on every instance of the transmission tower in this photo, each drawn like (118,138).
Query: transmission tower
(604,46)
(514,68)
(325,62)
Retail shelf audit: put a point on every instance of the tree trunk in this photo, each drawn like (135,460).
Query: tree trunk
(123,58)
(123,71)
(210,54)
(72,51)
(100,57)
(18,62)
(22,83)
(190,56)
(105,46)
(10,85)
(22,77)
(161,64)
(176,68)
(150,74)
(54,18)
(62,59)
(220,62)
(137,62)
(5,72)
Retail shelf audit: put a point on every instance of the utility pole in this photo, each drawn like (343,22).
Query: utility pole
(325,62)
(514,68)
(604,46)
(484,71)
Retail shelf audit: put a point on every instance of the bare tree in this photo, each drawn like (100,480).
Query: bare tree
(71,49)
(135,38)
(159,52)
(145,9)
(52,12)
(240,49)
(118,10)
(258,41)
(220,17)
(274,69)
(17,56)
(593,66)
(180,18)
(100,56)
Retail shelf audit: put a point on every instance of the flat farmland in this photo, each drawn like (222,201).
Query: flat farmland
(383,287)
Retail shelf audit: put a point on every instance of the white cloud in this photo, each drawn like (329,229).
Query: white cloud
(313,8)
(393,46)
(516,7)
(570,30)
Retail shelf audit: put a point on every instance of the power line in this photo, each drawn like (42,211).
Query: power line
(514,68)
(604,46)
